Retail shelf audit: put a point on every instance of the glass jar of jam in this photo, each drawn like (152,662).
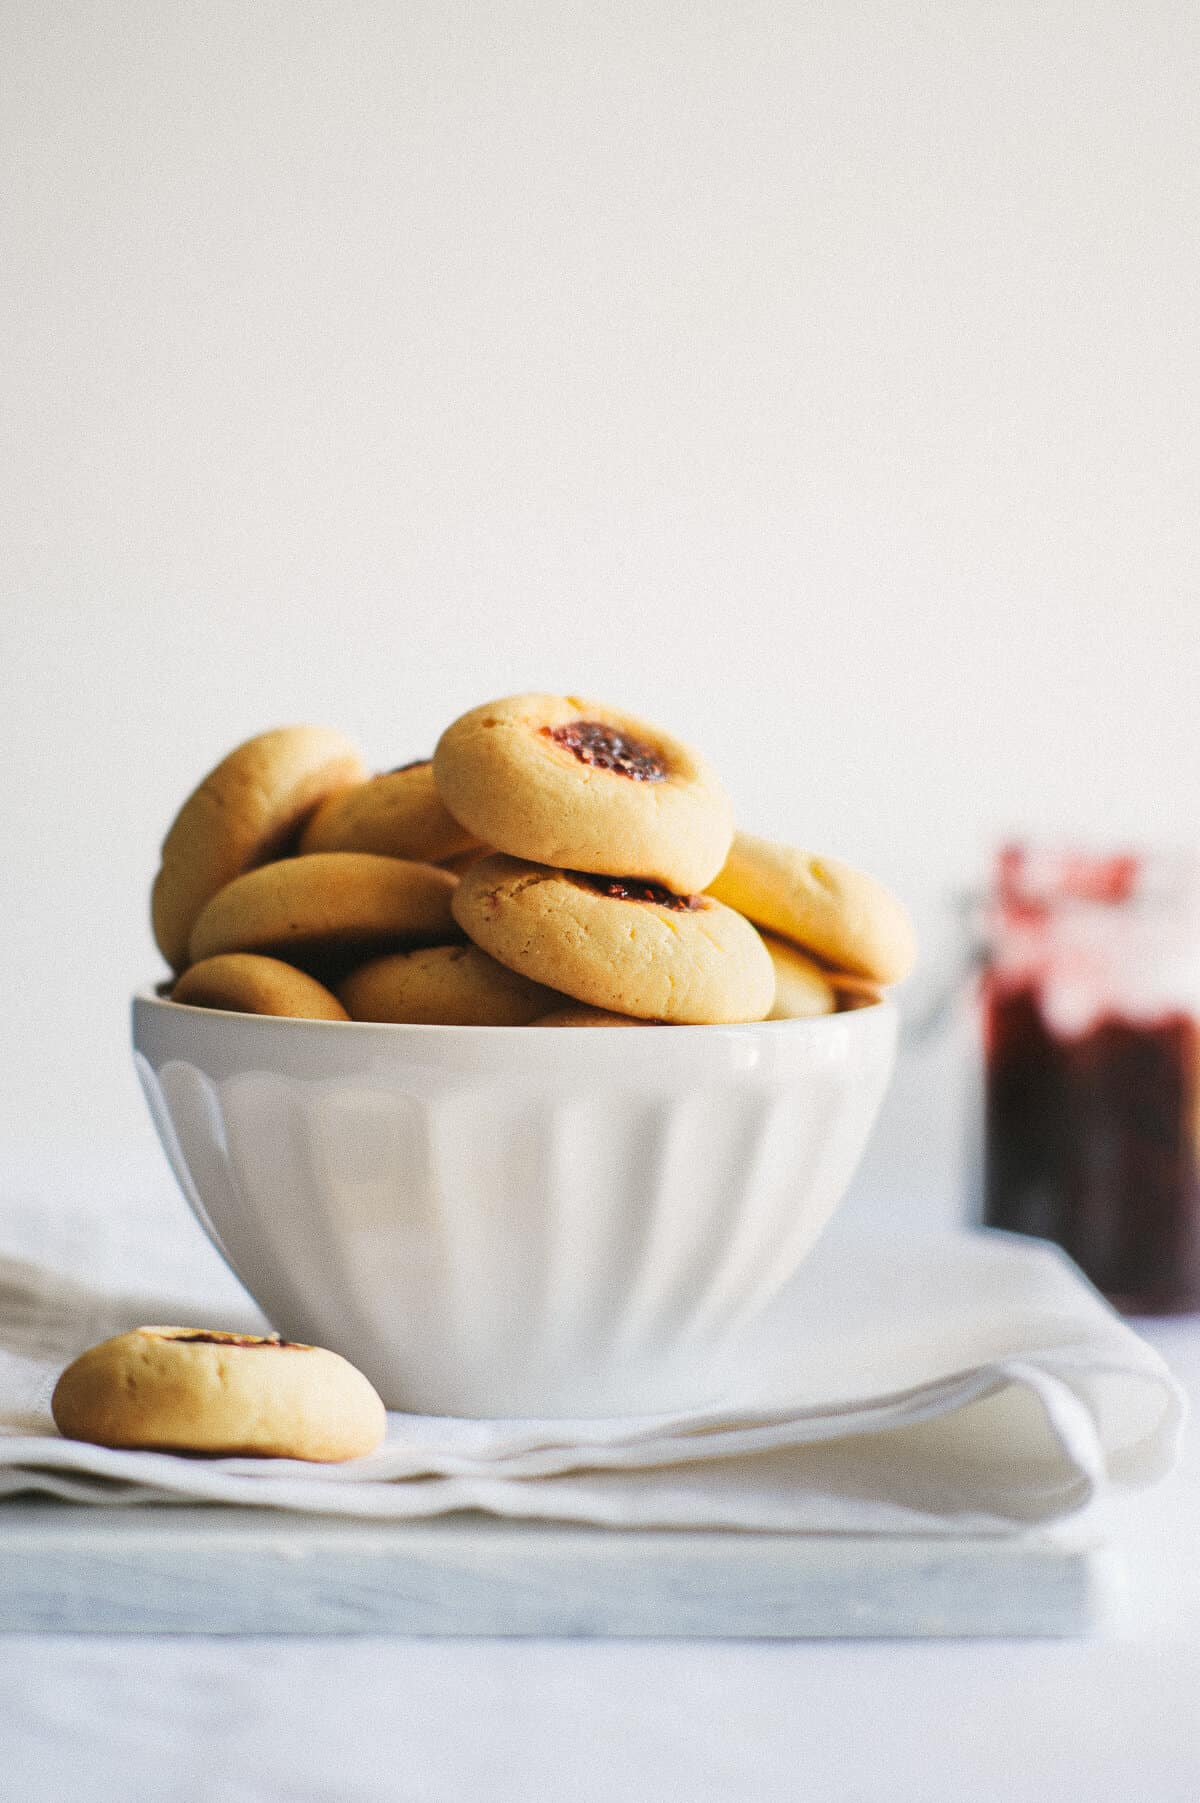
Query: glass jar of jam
(1091,1025)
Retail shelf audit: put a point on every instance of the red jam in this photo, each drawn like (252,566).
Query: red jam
(1092,1125)
(607,749)
(200,1338)
(632,888)
(1091,1142)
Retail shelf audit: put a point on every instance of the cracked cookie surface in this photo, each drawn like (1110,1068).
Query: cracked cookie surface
(699,963)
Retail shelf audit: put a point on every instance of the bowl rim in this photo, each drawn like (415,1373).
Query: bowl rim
(147,997)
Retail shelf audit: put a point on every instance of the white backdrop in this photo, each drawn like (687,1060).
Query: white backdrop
(819,379)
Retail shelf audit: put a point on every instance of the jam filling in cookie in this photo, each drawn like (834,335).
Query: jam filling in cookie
(217,1338)
(631,888)
(607,749)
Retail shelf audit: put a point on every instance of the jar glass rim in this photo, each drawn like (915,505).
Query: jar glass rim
(1041,878)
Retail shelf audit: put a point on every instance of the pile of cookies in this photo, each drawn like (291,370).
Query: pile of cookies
(556,863)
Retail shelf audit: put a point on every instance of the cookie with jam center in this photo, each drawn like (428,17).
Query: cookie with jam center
(199,1390)
(621,944)
(444,985)
(242,815)
(838,914)
(580,786)
(327,906)
(247,983)
(396,815)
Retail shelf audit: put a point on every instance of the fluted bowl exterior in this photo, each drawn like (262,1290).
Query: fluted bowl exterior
(514,1221)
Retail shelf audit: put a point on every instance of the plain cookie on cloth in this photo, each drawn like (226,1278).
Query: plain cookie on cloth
(840,914)
(247,983)
(631,948)
(444,985)
(575,784)
(398,815)
(182,1389)
(242,814)
(328,903)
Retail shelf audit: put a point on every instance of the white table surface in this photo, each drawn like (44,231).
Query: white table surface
(301,1721)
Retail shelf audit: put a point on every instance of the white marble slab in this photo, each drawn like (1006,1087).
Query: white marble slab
(221,1571)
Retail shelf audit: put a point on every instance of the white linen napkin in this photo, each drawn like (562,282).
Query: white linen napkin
(945,1384)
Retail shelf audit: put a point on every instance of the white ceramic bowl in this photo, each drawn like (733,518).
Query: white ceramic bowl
(514,1220)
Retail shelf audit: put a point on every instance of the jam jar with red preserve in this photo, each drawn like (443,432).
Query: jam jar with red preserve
(1091,1024)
